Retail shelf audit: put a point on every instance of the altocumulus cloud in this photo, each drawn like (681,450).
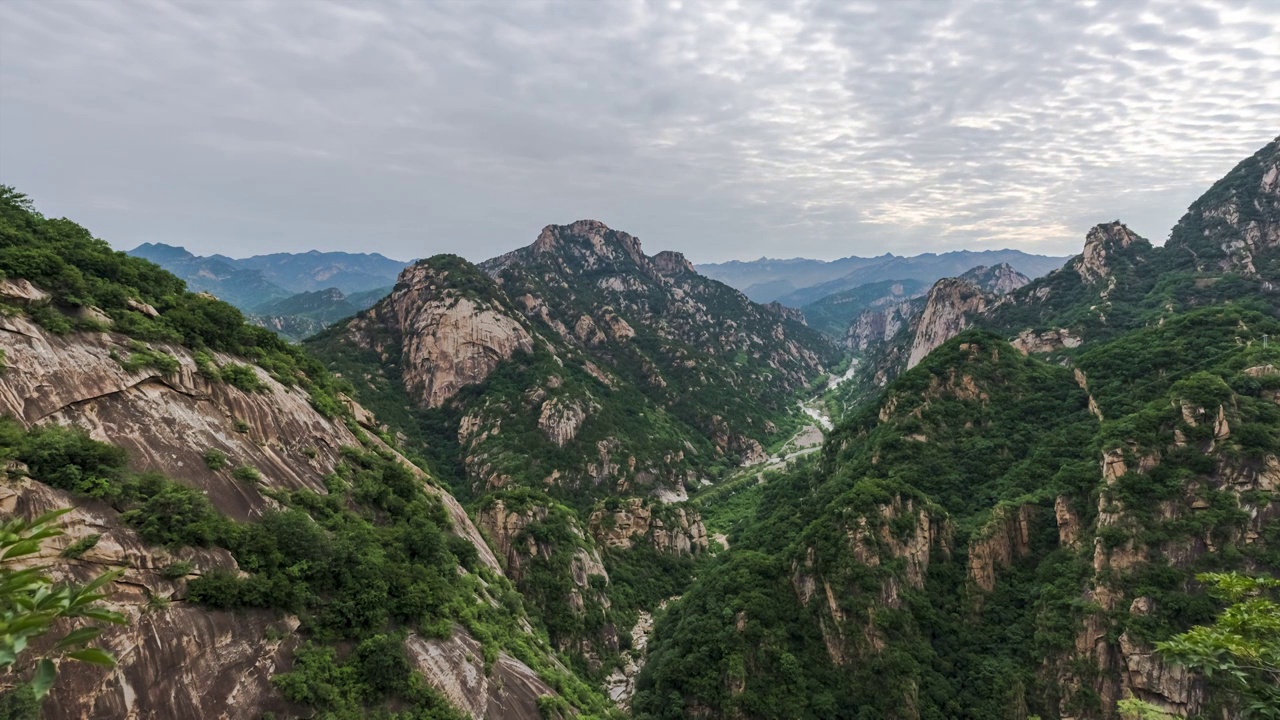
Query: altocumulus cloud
(776,127)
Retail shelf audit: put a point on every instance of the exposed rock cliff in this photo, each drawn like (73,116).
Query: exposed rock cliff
(177,659)
(998,279)
(1102,246)
(1004,539)
(947,312)
(1235,227)
(879,325)
(638,521)
(447,338)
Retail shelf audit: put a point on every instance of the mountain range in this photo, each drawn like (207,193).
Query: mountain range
(294,294)
(582,480)
(798,281)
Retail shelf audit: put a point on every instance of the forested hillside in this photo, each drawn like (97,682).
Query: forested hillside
(278,556)
(575,391)
(1008,529)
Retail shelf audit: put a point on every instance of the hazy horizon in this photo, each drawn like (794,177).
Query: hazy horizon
(726,133)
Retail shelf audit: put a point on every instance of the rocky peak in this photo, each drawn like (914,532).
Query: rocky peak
(452,330)
(1101,247)
(947,312)
(787,313)
(998,279)
(1226,228)
(670,262)
(582,245)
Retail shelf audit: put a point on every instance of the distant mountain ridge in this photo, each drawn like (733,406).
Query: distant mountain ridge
(799,281)
(294,294)
(252,281)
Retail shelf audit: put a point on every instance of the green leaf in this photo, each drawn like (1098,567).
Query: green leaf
(26,547)
(94,656)
(78,637)
(43,679)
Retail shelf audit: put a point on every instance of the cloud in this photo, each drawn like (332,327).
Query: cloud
(758,127)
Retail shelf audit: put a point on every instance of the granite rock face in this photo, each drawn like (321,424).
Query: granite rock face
(447,339)
(178,659)
(947,313)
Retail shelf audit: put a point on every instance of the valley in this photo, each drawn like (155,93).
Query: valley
(581,480)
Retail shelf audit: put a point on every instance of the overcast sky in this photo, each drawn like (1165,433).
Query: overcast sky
(723,129)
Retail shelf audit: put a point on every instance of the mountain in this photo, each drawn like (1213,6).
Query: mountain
(833,313)
(800,282)
(300,316)
(575,391)
(314,271)
(767,279)
(1019,512)
(837,314)
(293,294)
(926,268)
(280,555)
(220,276)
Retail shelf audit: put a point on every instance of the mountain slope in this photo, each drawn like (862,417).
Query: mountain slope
(798,281)
(294,295)
(574,391)
(999,536)
(255,510)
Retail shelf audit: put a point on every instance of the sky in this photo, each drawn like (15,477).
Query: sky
(726,130)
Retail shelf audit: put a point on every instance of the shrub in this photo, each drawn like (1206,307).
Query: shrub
(215,459)
(246,473)
(80,547)
(177,570)
(243,377)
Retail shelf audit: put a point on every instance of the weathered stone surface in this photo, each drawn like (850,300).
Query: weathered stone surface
(947,313)
(1048,341)
(998,279)
(508,690)
(175,660)
(1006,537)
(878,325)
(144,308)
(561,418)
(682,533)
(1102,243)
(447,340)
(23,291)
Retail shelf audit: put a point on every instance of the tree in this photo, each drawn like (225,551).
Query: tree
(30,604)
(1241,649)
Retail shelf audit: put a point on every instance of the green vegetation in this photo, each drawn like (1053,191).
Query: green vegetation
(373,557)
(80,547)
(31,604)
(81,272)
(974,436)
(246,473)
(833,313)
(242,376)
(1240,650)
(215,459)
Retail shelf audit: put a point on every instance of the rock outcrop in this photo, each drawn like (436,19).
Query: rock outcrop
(1005,538)
(878,325)
(999,279)
(1047,341)
(507,689)
(872,540)
(560,419)
(447,339)
(175,659)
(1102,246)
(947,312)
(673,530)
